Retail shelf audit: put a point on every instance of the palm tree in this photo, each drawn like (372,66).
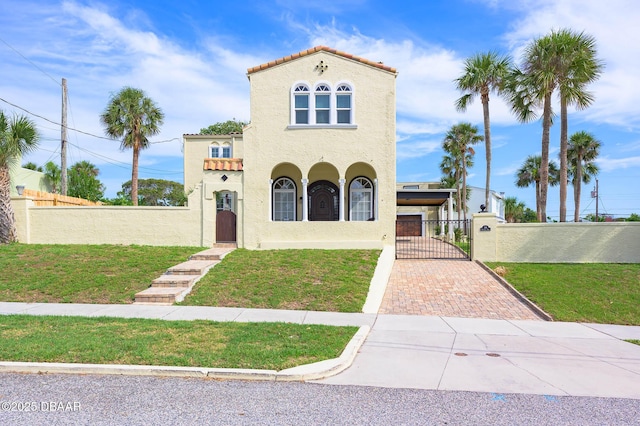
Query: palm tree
(531,173)
(18,136)
(451,167)
(53,175)
(458,142)
(513,210)
(583,149)
(483,73)
(133,116)
(566,61)
(577,66)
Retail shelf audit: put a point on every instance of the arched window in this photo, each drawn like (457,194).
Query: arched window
(361,199)
(284,200)
(301,104)
(323,104)
(343,104)
(217,151)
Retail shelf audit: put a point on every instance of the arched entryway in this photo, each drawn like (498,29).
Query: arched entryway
(324,201)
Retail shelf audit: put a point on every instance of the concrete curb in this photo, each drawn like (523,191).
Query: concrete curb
(318,370)
(379,280)
(539,312)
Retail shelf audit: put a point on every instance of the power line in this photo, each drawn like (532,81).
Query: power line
(31,62)
(75,130)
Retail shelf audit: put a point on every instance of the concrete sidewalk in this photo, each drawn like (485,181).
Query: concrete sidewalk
(500,356)
(409,351)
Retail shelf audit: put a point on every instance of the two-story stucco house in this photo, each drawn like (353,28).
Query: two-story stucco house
(316,166)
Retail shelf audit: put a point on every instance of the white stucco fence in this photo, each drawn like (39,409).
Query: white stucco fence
(614,242)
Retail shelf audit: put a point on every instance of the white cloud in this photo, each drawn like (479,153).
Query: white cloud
(607,164)
(614,26)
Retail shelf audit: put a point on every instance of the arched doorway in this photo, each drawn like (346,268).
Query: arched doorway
(324,203)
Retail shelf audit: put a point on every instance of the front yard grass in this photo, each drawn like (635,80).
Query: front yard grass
(318,280)
(197,343)
(597,293)
(82,273)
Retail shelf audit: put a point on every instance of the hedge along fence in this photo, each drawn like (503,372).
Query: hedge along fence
(48,199)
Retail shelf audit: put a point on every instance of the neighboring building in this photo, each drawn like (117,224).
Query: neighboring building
(315,167)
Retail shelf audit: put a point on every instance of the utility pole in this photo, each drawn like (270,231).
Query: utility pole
(63,138)
(597,196)
(594,194)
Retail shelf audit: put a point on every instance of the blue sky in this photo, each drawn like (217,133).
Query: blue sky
(191,57)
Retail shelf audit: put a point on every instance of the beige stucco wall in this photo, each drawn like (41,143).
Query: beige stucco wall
(617,242)
(161,226)
(319,153)
(196,149)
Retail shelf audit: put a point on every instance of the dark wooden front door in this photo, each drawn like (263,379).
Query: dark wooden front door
(322,206)
(226,227)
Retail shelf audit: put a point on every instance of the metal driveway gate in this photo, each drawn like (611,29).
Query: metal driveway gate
(433,239)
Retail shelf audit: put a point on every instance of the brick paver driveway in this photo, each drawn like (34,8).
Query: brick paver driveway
(451,288)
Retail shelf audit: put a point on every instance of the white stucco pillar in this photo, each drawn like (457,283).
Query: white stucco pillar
(342,203)
(442,220)
(450,214)
(305,201)
(270,201)
(375,199)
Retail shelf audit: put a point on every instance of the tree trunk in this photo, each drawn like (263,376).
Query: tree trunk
(487,144)
(538,211)
(544,164)
(134,175)
(577,186)
(563,158)
(8,232)
(464,186)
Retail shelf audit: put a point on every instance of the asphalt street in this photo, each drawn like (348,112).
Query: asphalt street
(130,400)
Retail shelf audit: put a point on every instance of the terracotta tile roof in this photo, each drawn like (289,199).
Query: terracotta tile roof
(229,164)
(270,64)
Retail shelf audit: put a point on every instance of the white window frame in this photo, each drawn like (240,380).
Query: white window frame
(312,110)
(298,88)
(366,188)
(323,89)
(287,191)
(340,90)
(217,150)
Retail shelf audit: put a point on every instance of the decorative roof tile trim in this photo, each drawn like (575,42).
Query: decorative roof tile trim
(270,64)
(226,164)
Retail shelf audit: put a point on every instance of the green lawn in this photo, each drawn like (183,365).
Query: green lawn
(82,273)
(319,280)
(209,344)
(599,293)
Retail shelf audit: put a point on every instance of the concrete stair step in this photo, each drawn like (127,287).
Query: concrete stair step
(192,267)
(174,280)
(225,245)
(159,295)
(215,253)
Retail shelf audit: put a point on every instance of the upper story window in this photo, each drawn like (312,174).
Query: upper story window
(301,104)
(217,151)
(343,104)
(323,106)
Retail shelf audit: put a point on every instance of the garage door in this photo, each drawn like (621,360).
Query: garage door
(409,225)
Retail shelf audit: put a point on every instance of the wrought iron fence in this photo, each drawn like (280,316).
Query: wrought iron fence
(433,239)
